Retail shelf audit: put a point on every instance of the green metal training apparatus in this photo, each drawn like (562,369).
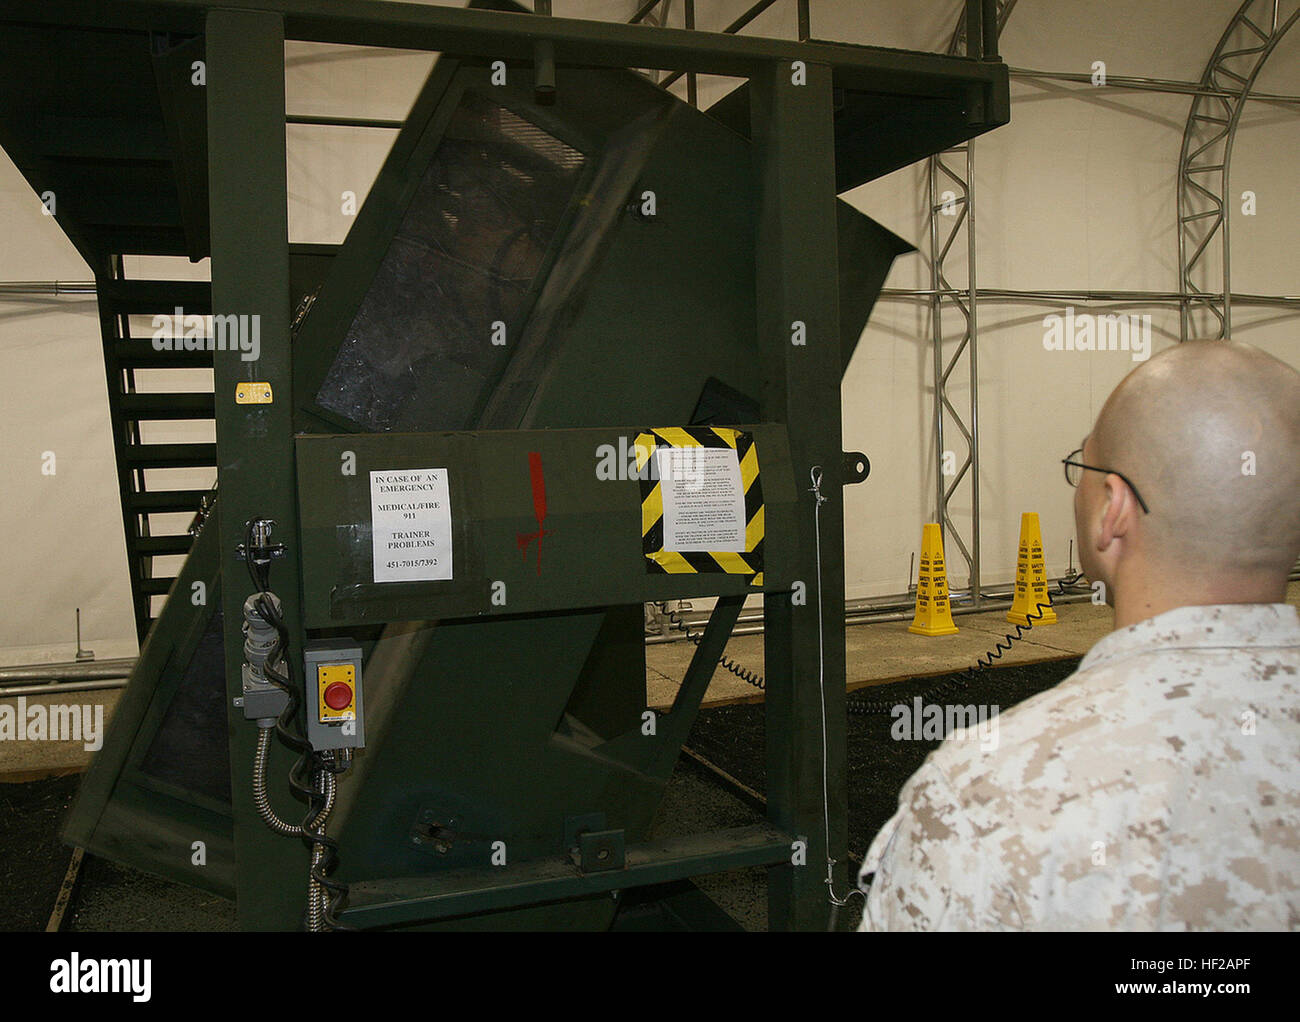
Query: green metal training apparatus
(445,447)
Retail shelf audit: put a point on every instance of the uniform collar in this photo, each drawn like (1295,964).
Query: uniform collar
(1226,625)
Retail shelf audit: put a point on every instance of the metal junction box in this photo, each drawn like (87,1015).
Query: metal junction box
(335,714)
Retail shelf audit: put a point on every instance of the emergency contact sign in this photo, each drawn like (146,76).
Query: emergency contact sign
(410,520)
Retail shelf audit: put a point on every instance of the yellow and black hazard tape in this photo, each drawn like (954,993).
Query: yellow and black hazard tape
(750,562)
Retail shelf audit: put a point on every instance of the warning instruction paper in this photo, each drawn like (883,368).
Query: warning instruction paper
(704,500)
(410,520)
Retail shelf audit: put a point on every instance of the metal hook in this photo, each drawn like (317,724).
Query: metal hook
(816,489)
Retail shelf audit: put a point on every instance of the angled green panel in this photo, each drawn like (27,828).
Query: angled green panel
(866,253)
(161,781)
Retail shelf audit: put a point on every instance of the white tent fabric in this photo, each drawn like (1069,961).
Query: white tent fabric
(1078,192)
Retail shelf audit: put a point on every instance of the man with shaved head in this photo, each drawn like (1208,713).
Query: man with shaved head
(1158,787)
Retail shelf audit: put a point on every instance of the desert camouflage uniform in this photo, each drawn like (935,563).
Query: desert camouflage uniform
(1158,787)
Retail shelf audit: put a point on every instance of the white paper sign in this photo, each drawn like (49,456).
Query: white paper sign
(704,499)
(410,522)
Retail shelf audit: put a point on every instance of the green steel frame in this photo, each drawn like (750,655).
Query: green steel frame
(793,131)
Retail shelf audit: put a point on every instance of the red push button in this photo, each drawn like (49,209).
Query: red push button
(338,696)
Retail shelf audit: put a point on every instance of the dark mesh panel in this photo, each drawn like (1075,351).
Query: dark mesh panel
(418,355)
(190,749)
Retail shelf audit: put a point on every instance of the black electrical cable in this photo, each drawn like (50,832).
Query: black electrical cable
(743,673)
(320,872)
(304,769)
(289,717)
(259,573)
(757,680)
(284,682)
(863,709)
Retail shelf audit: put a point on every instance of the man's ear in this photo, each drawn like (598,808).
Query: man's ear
(1118,513)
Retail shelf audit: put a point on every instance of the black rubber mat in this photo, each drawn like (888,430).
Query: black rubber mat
(124,900)
(32,860)
(733,738)
(115,898)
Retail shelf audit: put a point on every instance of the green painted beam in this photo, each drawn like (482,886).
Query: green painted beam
(798,274)
(117,815)
(511,36)
(592,555)
(250,276)
(411,900)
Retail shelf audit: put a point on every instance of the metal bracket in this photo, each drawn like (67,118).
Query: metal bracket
(576,825)
(600,850)
(592,848)
(262,550)
(434,831)
(856,467)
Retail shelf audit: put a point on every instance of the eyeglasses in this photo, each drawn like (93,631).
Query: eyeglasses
(1074,472)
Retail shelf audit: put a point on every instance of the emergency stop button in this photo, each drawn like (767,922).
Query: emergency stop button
(336,692)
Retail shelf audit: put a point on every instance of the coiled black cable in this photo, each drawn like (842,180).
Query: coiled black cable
(336,892)
(291,730)
(880,706)
(863,708)
(743,673)
(302,774)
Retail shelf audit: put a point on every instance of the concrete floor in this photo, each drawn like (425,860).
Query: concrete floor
(886,651)
(877,654)
(880,653)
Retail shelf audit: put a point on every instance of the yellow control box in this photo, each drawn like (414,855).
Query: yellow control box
(336,692)
(336,711)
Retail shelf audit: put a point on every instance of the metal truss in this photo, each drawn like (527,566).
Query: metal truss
(643,13)
(1204,250)
(954,171)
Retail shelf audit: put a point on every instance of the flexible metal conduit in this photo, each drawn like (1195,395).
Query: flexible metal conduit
(318,897)
(261,799)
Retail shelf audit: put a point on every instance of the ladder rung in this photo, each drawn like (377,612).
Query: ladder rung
(162,546)
(142,355)
(156,297)
(137,407)
(169,241)
(165,501)
(171,455)
(155,586)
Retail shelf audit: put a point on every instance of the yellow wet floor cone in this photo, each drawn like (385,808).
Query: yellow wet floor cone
(1031,577)
(933,613)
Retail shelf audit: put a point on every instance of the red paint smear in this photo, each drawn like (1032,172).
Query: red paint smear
(539,509)
(539,485)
